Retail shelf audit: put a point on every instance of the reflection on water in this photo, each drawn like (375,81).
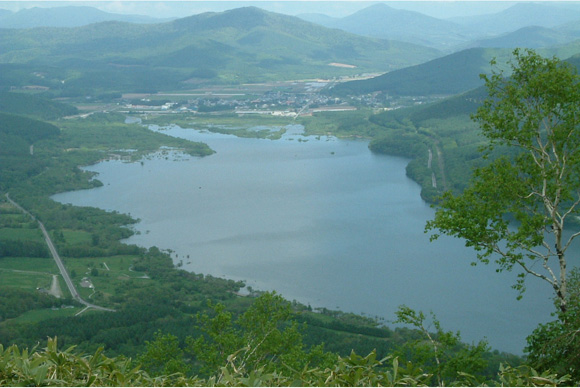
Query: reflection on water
(325,222)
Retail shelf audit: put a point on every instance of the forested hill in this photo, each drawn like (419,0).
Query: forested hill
(30,105)
(17,135)
(240,45)
(452,74)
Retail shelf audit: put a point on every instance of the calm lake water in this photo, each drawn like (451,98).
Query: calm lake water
(322,221)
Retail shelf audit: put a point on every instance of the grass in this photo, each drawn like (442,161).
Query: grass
(33,316)
(23,234)
(28,272)
(27,280)
(29,264)
(76,236)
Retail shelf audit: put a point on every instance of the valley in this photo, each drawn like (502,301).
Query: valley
(193,170)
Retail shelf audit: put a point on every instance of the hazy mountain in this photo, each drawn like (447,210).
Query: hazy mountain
(382,21)
(234,46)
(69,16)
(519,16)
(570,28)
(319,18)
(531,37)
(452,74)
(5,13)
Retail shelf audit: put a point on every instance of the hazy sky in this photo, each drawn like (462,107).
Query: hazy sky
(176,8)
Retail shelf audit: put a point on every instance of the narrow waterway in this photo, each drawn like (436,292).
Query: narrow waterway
(320,220)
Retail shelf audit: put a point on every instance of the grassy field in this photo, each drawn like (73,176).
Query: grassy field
(76,236)
(21,234)
(23,279)
(42,314)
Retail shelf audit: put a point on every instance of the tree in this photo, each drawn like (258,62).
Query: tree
(163,356)
(441,354)
(556,345)
(518,206)
(264,336)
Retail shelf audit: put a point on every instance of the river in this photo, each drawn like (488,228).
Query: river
(320,220)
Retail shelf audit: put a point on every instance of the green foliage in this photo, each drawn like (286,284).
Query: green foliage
(556,345)
(441,354)
(53,367)
(29,105)
(15,302)
(525,376)
(29,129)
(535,114)
(163,356)
(262,337)
(19,248)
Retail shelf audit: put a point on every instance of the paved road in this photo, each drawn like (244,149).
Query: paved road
(59,263)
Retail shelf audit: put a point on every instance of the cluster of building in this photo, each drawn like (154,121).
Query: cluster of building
(273,102)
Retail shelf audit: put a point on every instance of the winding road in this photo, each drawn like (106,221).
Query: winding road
(59,263)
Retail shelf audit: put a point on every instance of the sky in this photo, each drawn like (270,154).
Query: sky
(335,8)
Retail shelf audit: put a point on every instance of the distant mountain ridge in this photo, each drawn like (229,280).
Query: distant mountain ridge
(458,33)
(519,16)
(385,22)
(240,45)
(67,16)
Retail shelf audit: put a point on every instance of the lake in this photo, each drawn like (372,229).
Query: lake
(320,220)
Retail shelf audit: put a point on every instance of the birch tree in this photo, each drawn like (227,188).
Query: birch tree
(517,208)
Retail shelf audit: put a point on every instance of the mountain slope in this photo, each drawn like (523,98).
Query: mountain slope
(519,16)
(238,45)
(448,75)
(35,107)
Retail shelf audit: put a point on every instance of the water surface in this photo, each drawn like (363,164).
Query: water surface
(322,221)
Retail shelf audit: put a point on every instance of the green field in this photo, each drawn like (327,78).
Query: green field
(21,234)
(28,273)
(33,316)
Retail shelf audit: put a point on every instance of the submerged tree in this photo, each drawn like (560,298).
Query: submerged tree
(518,206)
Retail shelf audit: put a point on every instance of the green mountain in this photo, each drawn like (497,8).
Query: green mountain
(452,74)
(35,107)
(241,45)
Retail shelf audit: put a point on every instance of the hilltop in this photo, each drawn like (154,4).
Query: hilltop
(241,45)
(382,21)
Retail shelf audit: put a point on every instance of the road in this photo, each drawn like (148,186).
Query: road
(59,263)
